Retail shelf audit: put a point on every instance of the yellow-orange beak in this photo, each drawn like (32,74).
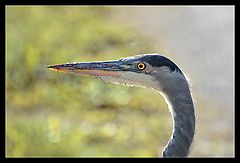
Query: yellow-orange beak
(109,68)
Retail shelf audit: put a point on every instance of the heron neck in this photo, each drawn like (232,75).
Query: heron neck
(183,115)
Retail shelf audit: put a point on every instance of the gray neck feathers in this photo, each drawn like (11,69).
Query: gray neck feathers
(177,94)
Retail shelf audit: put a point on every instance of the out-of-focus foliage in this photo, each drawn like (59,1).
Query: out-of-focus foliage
(57,114)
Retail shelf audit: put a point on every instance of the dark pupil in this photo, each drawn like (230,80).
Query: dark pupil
(140,66)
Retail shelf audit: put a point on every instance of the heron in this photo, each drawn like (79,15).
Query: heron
(153,71)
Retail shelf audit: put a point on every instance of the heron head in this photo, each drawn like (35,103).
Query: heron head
(147,70)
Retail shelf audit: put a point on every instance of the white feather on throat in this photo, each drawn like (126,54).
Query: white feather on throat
(132,79)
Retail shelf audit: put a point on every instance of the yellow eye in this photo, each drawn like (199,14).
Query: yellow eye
(141,66)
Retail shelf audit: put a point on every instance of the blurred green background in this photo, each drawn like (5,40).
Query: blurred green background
(64,114)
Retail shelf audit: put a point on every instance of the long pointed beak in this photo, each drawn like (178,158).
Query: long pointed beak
(108,68)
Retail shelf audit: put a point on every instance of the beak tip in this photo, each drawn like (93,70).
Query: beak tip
(52,68)
(49,67)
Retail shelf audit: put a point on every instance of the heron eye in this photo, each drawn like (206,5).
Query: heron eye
(141,66)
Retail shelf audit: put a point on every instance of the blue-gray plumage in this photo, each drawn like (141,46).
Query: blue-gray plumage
(152,71)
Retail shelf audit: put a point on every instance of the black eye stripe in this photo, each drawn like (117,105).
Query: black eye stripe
(158,61)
